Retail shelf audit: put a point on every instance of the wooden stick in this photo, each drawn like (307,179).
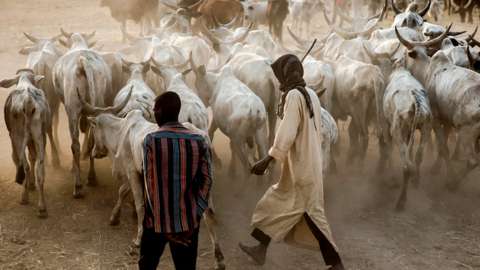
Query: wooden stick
(309,50)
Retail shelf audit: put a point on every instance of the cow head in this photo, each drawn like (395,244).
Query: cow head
(417,54)
(100,149)
(462,8)
(168,72)
(90,110)
(72,39)
(411,17)
(39,43)
(26,74)
(136,69)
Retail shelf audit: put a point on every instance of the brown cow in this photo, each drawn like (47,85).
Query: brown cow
(214,13)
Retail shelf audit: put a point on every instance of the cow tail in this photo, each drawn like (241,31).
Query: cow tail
(28,111)
(416,106)
(86,71)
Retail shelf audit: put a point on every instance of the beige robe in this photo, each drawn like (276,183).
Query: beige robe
(279,213)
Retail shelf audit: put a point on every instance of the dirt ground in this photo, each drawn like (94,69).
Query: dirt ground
(438,230)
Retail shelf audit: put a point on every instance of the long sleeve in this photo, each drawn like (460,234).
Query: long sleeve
(148,174)
(288,128)
(204,179)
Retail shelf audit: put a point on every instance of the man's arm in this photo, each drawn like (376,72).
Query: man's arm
(204,179)
(288,127)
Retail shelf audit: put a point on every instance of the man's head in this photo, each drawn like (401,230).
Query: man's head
(167,108)
(289,71)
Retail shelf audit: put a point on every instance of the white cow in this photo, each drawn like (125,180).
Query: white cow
(406,108)
(193,109)
(142,97)
(255,72)
(303,12)
(83,69)
(42,56)
(455,101)
(237,112)
(28,119)
(357,87)
(121,139)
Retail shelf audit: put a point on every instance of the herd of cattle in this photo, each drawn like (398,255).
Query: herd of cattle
(397,80)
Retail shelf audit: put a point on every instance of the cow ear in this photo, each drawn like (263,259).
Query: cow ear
(8,82)
(38,78)
(185,73)
(64,43)
(156,70)
(25,50)
(412,54)
(202,70)
(92,121)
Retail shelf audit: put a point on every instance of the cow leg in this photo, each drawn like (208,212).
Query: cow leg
(272,122)
(209,219)
(37,158)
(75,147)
(123,29)
(406,167)
(424,137)
(464,160)
(123,192)
(441,136)
(352,148)
(211,133)
(137,191)
(53,146)
(27,175)
(261,139)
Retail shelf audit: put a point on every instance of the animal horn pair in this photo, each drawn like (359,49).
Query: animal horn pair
(91,110)
(422,13)
(429,43)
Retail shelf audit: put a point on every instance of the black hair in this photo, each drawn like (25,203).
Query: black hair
(167,108)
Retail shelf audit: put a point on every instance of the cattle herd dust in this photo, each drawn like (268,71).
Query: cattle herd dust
(438,229)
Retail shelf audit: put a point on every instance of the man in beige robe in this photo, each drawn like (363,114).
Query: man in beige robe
(293,209)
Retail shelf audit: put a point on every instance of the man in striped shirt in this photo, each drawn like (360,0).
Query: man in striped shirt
(178,177)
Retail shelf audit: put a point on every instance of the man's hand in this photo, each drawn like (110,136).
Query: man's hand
(261,166)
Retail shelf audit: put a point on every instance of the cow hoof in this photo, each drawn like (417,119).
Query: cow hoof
(31,186)
(220,266)
(92,180)
(114,221)
(24,201)
(42,213)
(452,186)
(77,193)
(400,206)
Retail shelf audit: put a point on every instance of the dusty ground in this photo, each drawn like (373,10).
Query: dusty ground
(437,231)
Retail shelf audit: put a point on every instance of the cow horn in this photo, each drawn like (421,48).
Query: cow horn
(424,11)
(454,34)
(243,36)
(381,14)
(471,60)
(30,37)
(405,42)
(351,35)
(343,15)
(177,66)
(195,5)
(91,35)
(467,6)
(395,8)
(126,62)
(209,35)
(300,42)
(428,43)
(94,111)
(194,67)
(168,5)
(472,35)
(65,34)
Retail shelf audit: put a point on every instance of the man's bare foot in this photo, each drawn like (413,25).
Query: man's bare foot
(256,253)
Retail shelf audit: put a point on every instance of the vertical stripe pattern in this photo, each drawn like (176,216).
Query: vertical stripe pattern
(178,178)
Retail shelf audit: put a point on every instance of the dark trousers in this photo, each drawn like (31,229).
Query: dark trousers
(153,245)
(330,255)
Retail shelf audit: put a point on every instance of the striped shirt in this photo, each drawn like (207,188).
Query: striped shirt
(178,178)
